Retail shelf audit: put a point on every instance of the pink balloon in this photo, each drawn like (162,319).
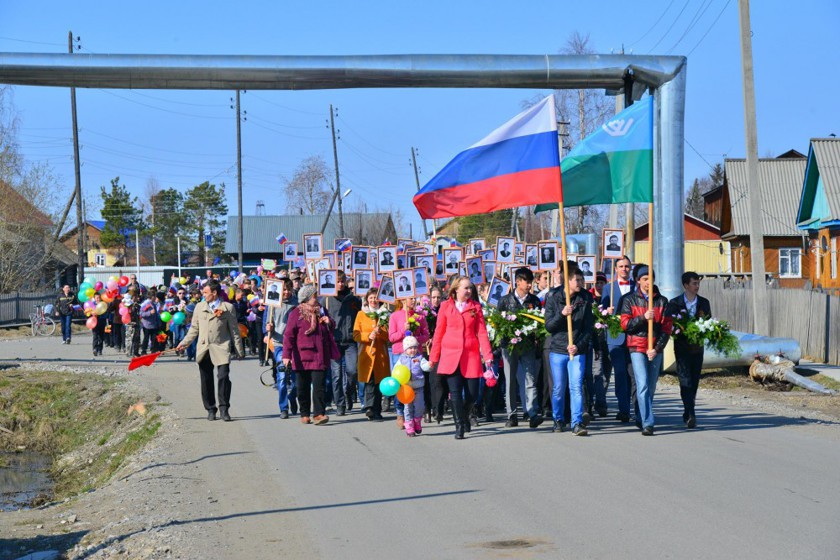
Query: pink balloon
(91,322)
(112,285)
(98,286)
(89,304)
(490,382)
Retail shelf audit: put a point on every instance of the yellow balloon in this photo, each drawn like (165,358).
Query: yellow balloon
(101,308)
(401,373)
(251,296)
(182,280)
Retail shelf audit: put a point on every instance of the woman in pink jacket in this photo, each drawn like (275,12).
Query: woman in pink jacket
(459,348)
(397,329)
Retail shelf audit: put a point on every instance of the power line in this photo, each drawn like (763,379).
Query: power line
(162,108)
(698,15)
(670,27)
(699,154)
(32,42)
(671,3)
(710,28)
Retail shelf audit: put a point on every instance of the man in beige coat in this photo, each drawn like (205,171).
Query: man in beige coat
(214,325)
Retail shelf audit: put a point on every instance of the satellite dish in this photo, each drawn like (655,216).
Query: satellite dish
(720,248)
(824,244)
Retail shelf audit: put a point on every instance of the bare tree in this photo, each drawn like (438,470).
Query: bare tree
(309,190)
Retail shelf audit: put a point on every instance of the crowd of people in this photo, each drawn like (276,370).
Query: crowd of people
(330,354)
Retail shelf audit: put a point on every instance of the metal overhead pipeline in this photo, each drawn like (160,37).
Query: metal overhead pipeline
(137,71)
(664,76)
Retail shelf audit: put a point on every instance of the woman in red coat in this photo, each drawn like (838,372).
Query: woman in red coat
(459,348)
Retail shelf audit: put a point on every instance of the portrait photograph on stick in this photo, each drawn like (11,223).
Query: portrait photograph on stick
(587,266)
(386,257)
(474,270)
(451,258)
(421,281)
(547,252)
(476,245)
(313,246)
(386,290)
(361,257)
(404,280)
(326,282)
(505,249)
(290,251)
(499,288)
(612,241)
(362,281)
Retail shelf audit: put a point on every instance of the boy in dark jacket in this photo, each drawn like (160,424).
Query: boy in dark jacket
(521,368)
(568,360)
(647,363)
(689,356)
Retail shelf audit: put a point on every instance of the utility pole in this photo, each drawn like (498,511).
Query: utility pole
(79,221)
(761,323)
(417,180)
(337,179)
(630,208)
(239,179)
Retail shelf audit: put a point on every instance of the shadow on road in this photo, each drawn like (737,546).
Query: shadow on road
(199,459)
(247,514)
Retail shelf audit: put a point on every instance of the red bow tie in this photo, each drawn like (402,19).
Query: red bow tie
(623,283)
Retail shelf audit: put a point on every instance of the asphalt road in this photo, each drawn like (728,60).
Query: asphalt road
(745,485)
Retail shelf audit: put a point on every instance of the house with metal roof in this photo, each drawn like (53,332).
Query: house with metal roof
(99,256)
(819,210)
(259,233)
(780,181)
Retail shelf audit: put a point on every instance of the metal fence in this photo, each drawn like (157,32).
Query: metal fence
(16,307)
(803,315)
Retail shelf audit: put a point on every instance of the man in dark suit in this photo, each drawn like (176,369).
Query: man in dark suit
(364,282)
(404,286)
(387,259)
(618,359)
(689,356)
(505,252)
(418,280)
(613,246)
(328,282)
(586,270)
(387,289)
(359,257)
(453,262)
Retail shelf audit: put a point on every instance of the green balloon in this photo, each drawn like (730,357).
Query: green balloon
(389,386)
(165,316)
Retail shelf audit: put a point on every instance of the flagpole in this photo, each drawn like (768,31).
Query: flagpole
(565,268)
(650,273)
(612,286)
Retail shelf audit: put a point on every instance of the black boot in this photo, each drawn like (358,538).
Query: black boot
(458,416)
(471,418)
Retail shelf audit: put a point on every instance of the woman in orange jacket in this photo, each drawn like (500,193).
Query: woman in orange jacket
(374,363)
(460,348)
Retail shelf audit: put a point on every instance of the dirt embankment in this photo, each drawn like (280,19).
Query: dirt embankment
(92,423)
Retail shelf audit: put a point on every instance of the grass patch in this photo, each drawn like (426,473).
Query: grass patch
(79,420)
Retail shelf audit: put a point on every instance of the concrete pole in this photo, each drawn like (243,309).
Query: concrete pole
(754,199)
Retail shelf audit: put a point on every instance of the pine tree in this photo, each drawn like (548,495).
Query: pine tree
(122,215)
(694,200)
(205,210)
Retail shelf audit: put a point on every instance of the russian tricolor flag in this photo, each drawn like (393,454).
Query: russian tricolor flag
(281,238)
(518,164)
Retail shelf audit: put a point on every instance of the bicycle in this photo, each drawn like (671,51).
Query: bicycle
(42,325)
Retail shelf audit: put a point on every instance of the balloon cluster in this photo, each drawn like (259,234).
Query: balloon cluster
(397,384)
(108,291)
(490,378)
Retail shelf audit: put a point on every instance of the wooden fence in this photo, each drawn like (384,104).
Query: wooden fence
(803,315)
(16,307)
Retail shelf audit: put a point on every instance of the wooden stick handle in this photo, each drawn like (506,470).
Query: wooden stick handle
(650,274)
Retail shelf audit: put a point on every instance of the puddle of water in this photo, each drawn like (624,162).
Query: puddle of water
(23,477)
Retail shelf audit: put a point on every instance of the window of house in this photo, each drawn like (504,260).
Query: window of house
(790,263)
(834,257)
(99,259)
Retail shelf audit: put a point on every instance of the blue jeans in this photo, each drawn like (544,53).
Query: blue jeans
(66,326)
(285,379)
(178,333)
(618,359)
(646,373)
(566,370)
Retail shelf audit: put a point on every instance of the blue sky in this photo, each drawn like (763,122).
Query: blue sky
(182,138)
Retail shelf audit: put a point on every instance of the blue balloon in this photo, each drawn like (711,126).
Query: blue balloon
(389,386)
